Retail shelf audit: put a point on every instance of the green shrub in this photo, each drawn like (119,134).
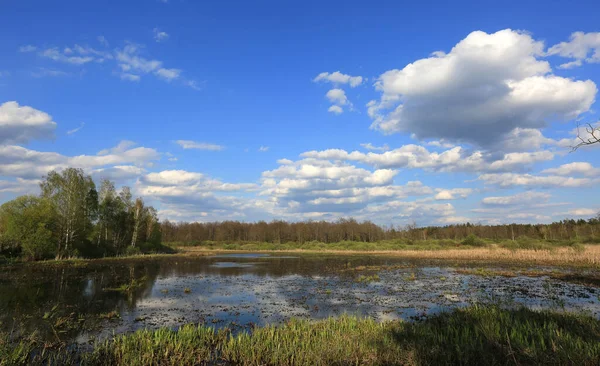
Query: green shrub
(473,240)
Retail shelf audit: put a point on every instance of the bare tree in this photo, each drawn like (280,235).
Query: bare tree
(590,137)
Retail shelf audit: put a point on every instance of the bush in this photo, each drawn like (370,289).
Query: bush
(473,241)
(133,251)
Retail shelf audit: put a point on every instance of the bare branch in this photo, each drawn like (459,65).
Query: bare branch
(591,137)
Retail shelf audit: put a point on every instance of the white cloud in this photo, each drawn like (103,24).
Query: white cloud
(528,180)
(27,48)
(44,72)
(188,144)
(21,124)
(103,41)
(129,77)
(372,147)
(19,162)
(263,149)
(452,194)
(339,78)
(335,109)
(454,159)
(129,59)
(337,96)
(75,130)
(583,212)
(576,168)
(517,199)
(168,74)
(160,36)
(581,47)
(484,88)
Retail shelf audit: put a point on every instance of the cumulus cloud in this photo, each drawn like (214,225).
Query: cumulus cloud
(335,109)
(452,160)
(339,79)
(580,47)
(21,124)
(337,96)
(20,162)
(583,212)
(452,194)
(189,144)
(484,88)
(576,168)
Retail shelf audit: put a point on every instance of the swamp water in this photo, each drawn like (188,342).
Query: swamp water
(93,300)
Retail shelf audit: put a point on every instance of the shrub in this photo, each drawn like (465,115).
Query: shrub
(473,241)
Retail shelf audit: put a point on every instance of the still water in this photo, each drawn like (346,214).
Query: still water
(94,300)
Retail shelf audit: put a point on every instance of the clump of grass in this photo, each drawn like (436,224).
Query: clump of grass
(467,336)
(187,290)
(110,315)
(368,279)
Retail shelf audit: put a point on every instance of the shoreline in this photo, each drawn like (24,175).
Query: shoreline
(589,257)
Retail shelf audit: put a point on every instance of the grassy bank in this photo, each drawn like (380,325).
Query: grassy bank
(397,244)
(466,336)
(587,256)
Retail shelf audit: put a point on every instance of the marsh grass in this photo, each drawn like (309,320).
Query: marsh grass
(566,256)
(590,278)
(470,336)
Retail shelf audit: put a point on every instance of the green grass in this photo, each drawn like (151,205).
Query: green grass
(471,336)
(387,245)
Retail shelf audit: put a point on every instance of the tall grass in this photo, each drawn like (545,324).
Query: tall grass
(472,336)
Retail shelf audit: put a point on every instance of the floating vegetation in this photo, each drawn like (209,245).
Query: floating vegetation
(187,290)
(368,279)
(585,278)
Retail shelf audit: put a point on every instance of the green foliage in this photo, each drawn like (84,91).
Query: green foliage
(71,219)
(469,336)
(29,222)
(473,241)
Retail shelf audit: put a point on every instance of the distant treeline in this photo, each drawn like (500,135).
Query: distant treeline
(70,218)
(366,231)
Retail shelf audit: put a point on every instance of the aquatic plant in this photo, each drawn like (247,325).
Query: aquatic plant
(464,336)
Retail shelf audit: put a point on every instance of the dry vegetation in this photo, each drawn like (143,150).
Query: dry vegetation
(586,256)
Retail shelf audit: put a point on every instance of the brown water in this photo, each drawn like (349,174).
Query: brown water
(238,291)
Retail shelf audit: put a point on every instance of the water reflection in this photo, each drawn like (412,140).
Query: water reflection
(241,290)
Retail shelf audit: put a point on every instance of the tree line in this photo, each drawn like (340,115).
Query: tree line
(72,218)
(278,231)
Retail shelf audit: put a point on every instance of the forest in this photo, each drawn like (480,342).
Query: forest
(72,218)
(352,230)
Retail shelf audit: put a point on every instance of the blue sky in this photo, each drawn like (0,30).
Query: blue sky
(428,112)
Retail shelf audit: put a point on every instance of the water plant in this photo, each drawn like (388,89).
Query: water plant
(465,336)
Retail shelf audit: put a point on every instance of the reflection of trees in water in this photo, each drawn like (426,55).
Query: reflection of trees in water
(28,292)
(67,298)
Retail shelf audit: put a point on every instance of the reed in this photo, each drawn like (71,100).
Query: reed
(467,336)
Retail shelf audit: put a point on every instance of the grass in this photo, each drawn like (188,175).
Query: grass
(587,278)
(566,256)
(465,336)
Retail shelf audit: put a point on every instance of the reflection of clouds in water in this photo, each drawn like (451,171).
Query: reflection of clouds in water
(273,292)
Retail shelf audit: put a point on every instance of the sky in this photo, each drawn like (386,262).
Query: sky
(431,113)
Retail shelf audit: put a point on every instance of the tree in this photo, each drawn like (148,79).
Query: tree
(72,195)
(29,223)
(590,137)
